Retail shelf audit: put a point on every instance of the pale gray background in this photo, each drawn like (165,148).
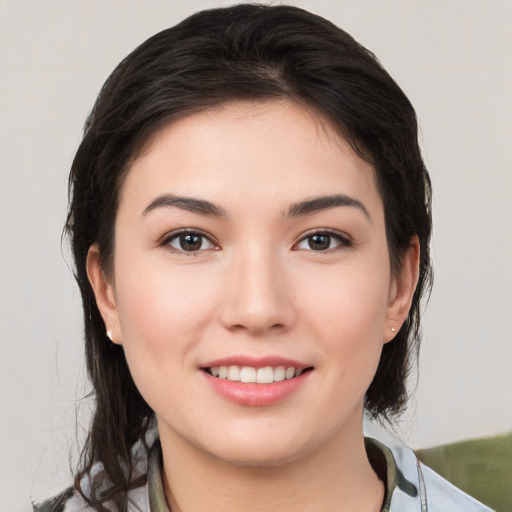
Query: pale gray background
(453,59)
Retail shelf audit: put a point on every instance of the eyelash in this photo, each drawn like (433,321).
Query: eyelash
(343,242)
(166,241)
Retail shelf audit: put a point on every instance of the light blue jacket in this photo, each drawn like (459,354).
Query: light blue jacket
(411,486)
(434,493)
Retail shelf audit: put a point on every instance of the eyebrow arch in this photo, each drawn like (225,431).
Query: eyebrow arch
(318,204)
(190,204)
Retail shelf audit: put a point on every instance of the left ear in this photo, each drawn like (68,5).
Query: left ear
(402,290)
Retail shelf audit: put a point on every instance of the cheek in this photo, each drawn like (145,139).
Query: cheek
(162,311)
(161,317)
(347,298)
(346,312)
(154,295)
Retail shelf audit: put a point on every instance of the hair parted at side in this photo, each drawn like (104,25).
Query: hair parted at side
(245,52)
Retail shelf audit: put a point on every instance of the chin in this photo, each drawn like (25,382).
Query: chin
(257,455)
(260,447)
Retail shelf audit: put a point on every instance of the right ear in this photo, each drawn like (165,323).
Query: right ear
(104,293)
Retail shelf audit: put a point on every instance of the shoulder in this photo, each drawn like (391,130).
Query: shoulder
(443,496)
(72,501)
(67,501)
(433,492)
(96,481)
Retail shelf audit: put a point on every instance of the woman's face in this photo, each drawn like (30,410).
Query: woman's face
(250,241)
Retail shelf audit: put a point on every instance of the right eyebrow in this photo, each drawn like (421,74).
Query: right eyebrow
(200,206)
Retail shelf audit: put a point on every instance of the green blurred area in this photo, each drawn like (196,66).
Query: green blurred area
(481,467)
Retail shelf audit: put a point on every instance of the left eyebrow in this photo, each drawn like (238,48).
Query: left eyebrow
(318,204)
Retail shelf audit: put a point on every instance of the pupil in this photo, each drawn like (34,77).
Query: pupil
(319,242)
(190,242)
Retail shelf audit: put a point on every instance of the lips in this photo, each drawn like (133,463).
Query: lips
(256,382)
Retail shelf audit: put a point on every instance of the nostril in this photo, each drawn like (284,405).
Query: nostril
(237,327)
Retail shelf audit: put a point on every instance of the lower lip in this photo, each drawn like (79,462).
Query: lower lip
(256,395)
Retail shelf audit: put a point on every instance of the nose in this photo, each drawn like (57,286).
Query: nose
(258,298)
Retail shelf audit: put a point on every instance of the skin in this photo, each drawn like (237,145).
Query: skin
(255,287)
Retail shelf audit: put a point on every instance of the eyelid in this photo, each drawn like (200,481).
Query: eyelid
(168,237)
(345,240)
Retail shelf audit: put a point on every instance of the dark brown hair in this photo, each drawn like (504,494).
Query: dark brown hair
(246,52)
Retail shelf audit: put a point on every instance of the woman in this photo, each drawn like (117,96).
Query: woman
(250,221)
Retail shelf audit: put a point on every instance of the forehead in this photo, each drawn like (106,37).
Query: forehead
(250,149)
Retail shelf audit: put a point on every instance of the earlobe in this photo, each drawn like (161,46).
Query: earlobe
(104,294)
(402,290)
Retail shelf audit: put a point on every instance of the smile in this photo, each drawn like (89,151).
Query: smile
(256,381)
(249,374)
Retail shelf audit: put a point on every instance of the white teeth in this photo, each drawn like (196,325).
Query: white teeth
(248,374)
(265,375)
(234,373)
(279,373)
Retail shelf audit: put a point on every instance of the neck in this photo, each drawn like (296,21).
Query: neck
(335,477)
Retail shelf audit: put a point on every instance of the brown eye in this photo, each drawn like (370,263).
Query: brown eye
(190,242)
(323,241)
(319,242)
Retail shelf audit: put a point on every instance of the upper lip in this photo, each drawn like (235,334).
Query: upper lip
(256,362)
